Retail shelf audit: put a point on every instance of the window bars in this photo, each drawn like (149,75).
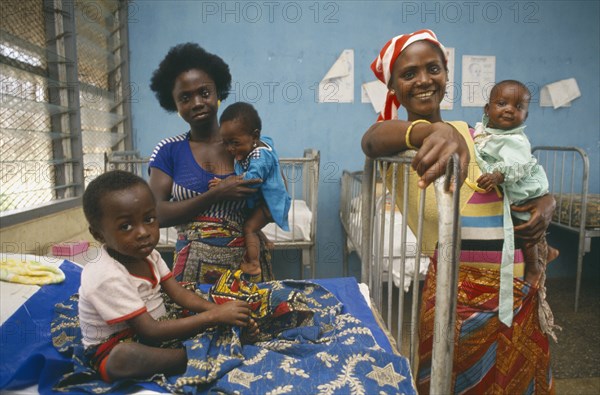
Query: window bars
(64,100)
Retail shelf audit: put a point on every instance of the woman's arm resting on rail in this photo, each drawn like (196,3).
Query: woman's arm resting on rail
(437,142)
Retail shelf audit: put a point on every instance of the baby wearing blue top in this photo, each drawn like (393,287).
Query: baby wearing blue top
(255,157)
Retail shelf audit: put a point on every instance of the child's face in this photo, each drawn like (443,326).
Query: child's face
(238,141)
(508,107)
(128,225)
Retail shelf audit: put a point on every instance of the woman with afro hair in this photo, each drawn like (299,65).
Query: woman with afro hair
(193,82)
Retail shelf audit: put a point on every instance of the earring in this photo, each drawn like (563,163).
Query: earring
(392,92)
(255,145)
(218,103)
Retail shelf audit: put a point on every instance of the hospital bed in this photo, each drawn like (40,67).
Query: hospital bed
(302,180)
(577,210)
(30,364)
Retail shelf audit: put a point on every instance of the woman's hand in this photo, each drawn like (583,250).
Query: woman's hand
(541,210)
(235,187)
(431,159)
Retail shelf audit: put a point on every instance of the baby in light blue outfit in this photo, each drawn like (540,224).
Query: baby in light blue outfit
(503,153)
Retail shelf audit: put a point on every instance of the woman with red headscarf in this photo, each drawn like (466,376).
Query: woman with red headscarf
(500,346)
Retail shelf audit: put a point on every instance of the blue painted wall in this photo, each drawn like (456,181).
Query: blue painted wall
(278,51)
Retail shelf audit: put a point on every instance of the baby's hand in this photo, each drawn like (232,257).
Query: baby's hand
(236,312)
(489,180)
(214,182)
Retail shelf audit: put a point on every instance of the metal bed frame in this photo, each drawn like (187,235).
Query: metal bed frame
(568,175)
(302,179)
(370,248)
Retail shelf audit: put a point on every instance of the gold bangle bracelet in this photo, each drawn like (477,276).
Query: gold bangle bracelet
(407,136)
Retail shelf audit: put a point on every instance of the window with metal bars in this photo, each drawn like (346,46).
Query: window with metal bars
(64,100)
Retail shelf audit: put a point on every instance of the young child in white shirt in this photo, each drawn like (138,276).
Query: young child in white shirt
(120,294)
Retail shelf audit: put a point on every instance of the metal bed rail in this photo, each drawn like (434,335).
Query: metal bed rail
(350,211)
(372,253)
(302,181)
(568,170)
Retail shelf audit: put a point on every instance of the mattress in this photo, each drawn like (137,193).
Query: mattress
(411,243)
(300,220)
(410,253)
(568,210)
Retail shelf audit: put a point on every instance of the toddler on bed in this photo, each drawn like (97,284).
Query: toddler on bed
(255,157)
(503,153)
(121,311)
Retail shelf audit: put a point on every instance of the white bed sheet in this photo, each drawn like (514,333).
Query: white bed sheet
(13,295)
(299,218)
(411,244)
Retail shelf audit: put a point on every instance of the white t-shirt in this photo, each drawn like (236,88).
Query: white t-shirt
(109,295)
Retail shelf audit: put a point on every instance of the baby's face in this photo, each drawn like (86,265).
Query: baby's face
(128,225)
(508,107)
(238,141)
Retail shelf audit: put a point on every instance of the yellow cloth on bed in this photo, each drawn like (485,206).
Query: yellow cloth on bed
(30,272)
(430,224)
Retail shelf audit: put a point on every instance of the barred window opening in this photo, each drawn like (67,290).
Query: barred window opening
(63,75)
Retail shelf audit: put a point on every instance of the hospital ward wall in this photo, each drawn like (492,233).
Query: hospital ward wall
(279,51)
(39,235)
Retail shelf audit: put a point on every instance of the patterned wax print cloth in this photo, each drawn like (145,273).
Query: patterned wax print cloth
(273,309)
(207,247)
(212,241)
(320,351)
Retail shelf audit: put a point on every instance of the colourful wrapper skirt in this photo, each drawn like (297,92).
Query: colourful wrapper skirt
(489,357)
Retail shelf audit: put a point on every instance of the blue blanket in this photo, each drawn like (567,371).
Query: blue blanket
(344,352)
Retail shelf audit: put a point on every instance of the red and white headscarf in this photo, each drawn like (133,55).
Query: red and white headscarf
(384,63)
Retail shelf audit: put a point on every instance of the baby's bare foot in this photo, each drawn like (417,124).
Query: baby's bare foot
(553,253)
(252,267)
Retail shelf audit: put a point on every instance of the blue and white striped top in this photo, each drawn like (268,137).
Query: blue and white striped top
(174,157)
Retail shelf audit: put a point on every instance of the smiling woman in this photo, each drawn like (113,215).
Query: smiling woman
(209,221)
(493,352)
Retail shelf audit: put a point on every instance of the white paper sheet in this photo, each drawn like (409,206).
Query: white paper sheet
(560,93)
(375,92)
(478,78)
(338,84)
